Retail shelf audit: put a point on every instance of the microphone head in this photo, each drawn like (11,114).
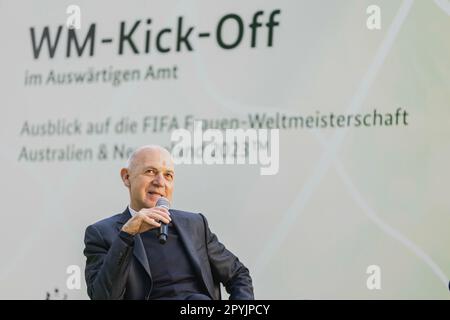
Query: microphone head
(163,202)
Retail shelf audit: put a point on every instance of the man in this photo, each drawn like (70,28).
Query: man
(126,261)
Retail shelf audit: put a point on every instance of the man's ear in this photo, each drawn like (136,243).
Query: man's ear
(125,175)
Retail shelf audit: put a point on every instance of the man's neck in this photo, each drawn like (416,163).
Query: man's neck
(132,211)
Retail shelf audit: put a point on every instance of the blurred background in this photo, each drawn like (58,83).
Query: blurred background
(348,195)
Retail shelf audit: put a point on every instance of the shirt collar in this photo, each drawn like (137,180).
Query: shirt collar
(132,211)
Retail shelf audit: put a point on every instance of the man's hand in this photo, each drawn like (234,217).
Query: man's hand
(146,219)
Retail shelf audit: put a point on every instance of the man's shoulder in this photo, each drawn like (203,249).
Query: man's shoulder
(186,214)
(190,217)
(109,222)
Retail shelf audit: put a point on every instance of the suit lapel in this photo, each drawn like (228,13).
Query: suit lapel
(183,227)
(139,253)
(138,250)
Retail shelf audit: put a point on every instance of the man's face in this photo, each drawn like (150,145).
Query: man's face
(150,177)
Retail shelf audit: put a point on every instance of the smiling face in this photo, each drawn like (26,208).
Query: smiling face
(149,176)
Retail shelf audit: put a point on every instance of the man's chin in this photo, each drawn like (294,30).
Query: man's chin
(152,198)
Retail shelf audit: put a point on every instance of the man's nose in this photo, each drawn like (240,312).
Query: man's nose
(159,180)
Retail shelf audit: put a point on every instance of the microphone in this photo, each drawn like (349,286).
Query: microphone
(164,228)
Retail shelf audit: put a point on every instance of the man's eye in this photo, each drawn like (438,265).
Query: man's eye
(151,171)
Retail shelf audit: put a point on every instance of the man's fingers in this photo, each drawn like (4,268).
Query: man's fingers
(151,221)
(157,214)
(159,217)
(160,212)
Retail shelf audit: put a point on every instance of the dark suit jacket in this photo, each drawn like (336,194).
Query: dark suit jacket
(116,270)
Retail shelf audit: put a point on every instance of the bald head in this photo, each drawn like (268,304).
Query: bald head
(149,175)
(145,151)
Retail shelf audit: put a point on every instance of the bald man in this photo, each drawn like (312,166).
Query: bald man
(124,259)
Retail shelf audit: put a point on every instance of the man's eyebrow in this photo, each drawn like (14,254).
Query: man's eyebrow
(154,168)
(150,167)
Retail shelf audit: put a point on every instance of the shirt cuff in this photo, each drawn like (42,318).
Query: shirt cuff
(127,238)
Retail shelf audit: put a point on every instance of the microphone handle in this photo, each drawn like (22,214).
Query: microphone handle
(163,231)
